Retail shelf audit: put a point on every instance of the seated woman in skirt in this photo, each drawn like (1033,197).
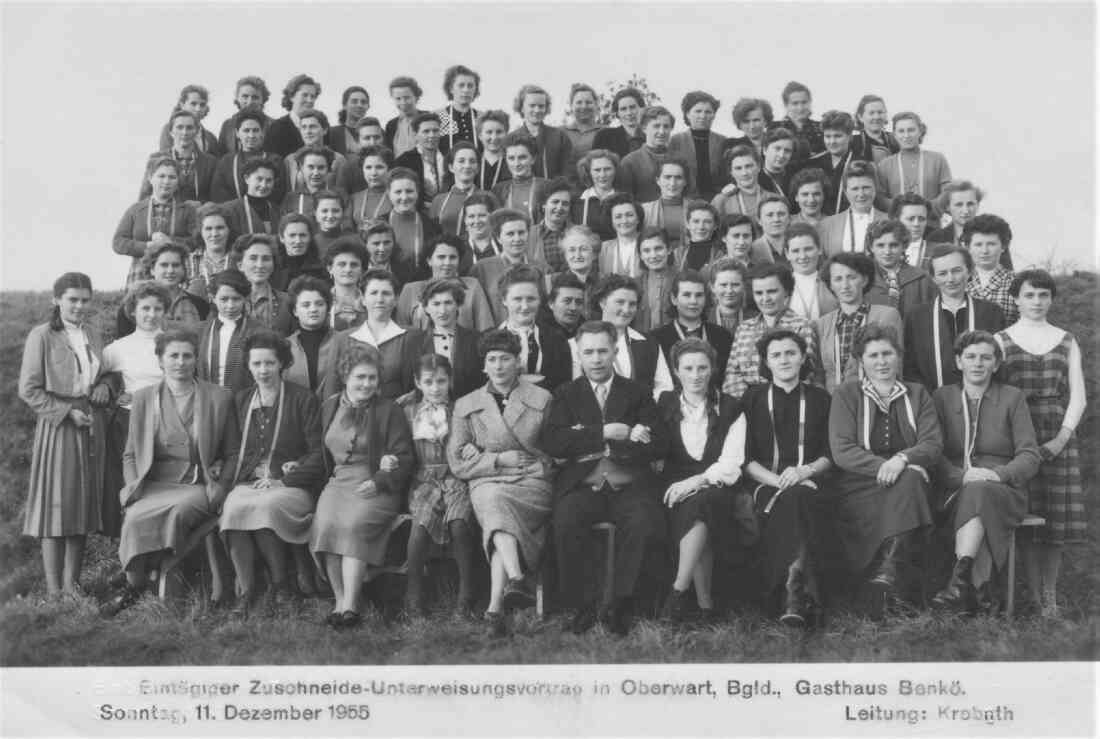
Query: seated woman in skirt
(787,456)
(368,458)
(278,475)
(438,501)
(178,465)
(884,436)
(990,454)
(493,447)
(700,472)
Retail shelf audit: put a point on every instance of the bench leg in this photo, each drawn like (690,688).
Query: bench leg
(1010,586)
(609,569)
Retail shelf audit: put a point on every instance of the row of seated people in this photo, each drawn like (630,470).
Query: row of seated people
(862,471)
(829,143)
(1049,375)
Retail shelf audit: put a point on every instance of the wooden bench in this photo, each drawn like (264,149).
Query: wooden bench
(1010,586)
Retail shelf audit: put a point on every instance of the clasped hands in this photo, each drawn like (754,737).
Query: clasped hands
(638,433)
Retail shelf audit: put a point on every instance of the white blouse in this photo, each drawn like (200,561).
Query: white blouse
(135,358)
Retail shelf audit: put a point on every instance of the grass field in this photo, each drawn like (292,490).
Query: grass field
(68,631)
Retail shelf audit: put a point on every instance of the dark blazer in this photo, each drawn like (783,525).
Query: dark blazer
(299,440)
(227,134)
(615,138)
(237,376)
(574,428)
(719,338)
(836,201)
(412,159)
(298,371)
(283,137)
(238,222)
(389,433)
(862,147)
(466,365)
(915,285)
(920,353)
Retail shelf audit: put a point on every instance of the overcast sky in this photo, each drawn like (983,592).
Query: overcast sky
(1007,92)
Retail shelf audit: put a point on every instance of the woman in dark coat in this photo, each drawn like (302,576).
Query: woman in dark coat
(990,454)
(787,457)
(700,474)
(885,437)
(278,475)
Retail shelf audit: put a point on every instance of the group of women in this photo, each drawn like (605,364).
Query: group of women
(365,321)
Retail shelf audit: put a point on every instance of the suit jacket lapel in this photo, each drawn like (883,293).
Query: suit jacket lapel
(616,399)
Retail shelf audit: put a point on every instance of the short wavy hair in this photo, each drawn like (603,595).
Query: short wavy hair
(498,116)
(744,106)
(292,86)
(308,283)
(445,285)
(782,334)
(268,339)
(357,353)
(498,340)
(970,338)
(987,223)
(693,345)
(875,332)
(791,88)
(529,89)
(860,263)
(584,164)
(149,259)
(459,70)
(1037,278)
(693,98)
(519,275)
(145,289)
(878,229)
(908,115)
(838,120)
(500,216)
(349,244)
(409,82)
(809,176)
(173,335)
(232,279)
(253,81)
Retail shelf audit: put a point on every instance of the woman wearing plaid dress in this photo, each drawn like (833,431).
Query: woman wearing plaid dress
(1045,362)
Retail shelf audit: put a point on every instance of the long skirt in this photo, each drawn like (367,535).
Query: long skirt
(867,514)
(1000,508)
(161,518)
(286,511)
(790,529)
(520,508)
(66,479)
(349,524)
(117,431)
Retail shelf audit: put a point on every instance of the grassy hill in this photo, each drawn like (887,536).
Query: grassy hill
(68,631)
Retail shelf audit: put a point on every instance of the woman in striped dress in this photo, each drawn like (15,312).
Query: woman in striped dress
(60,381)
(1045,363)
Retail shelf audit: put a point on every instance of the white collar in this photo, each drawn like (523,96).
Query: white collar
(534,327)
(812,277)
(364,334)
(862,216)
(634,335)
(606,383)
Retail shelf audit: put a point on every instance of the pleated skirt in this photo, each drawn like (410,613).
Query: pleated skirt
(66,479)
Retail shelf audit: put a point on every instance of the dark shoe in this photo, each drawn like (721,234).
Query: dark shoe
(127,597)
(496,624)
(117,581)
(350,619)
(959,595)
(517,595)
(676,606)
(333,619)
(886,574)
(620,617)
(243,605)
(583,620)
(708,616)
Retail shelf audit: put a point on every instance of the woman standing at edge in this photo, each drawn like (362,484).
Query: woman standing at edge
(1044,361)
(60,381)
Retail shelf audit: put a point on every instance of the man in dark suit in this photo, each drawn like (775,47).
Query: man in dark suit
(441,300)
(608,429)
(689,305)
(927,361)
